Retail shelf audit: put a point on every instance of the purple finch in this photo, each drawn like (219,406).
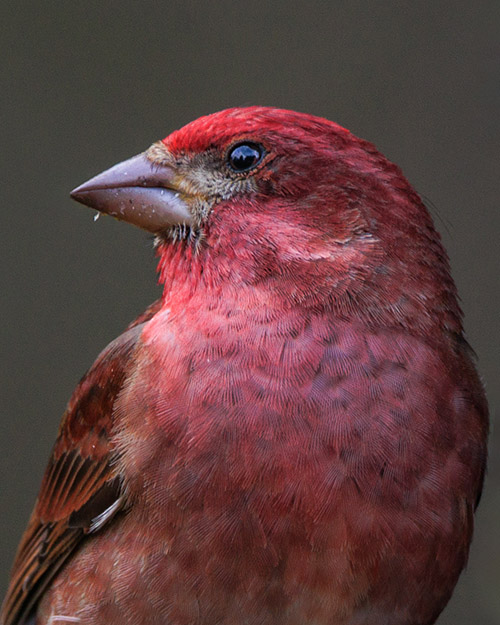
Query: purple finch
(295,433)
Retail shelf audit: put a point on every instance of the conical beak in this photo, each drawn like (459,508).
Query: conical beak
(139,192)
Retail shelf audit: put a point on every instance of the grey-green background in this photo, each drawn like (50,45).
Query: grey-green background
(86,84)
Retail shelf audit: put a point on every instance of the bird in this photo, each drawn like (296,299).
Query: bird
(295,432)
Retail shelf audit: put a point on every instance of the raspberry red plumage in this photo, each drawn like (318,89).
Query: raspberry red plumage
(299,432)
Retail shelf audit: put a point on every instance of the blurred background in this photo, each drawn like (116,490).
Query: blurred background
(85,85)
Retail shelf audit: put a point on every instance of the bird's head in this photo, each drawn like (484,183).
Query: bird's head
(284,202)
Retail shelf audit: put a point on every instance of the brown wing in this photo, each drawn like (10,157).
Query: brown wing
(81,490)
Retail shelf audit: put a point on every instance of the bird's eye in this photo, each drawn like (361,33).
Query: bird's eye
(245,156)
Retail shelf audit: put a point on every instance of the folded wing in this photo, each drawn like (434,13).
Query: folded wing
(81,490)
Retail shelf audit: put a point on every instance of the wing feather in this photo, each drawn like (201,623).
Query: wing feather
(81,491)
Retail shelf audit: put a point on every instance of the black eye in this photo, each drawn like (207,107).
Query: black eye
(245,156)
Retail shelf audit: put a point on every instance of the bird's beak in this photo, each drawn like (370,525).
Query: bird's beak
(139,192)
